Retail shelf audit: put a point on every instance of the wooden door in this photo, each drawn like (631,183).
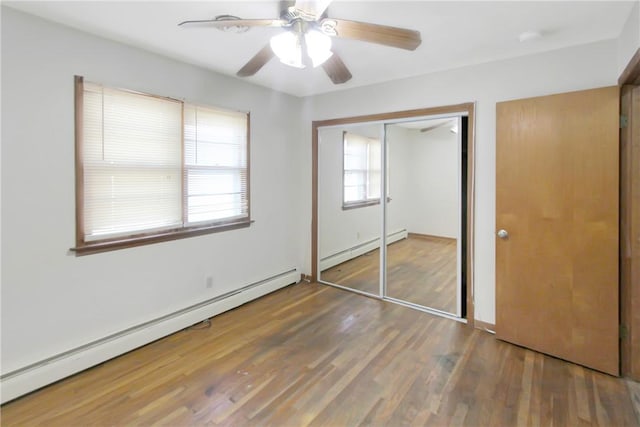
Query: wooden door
(557,198)
(630,231)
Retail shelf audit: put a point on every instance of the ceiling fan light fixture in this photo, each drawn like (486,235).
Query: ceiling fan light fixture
(288,48)
(318,47)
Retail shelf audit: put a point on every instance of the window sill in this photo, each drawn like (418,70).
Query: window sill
(356,205)
(147,239)
(360,204)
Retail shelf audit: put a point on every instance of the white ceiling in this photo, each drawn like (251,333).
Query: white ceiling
(454,34)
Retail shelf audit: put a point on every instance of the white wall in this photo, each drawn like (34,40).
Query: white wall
(53,301)
(629,40)
(401,191)
(432,165)
(564,70)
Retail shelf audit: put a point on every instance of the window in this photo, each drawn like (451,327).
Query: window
(361,178)
(150,168)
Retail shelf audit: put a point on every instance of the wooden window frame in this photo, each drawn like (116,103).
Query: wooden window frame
(83,247)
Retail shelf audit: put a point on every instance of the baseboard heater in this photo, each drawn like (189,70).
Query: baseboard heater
(359,249)
(39,374)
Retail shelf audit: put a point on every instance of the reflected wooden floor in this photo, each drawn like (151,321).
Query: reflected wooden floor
(420,270)
(315,355)
(361,273)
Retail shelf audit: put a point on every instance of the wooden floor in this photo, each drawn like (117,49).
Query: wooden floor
(315,355)
(420,270)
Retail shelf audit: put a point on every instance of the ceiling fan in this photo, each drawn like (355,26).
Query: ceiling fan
(307,37)
(440,123)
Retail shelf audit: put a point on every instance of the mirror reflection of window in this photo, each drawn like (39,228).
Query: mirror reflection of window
(361,179)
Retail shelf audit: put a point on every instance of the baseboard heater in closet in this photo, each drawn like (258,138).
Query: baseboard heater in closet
(359,249)
(39,374)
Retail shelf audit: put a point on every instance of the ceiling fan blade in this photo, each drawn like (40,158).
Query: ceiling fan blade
(336,70)
(313,8)
(258,61)
(432,127)
(372,33)
(222,23)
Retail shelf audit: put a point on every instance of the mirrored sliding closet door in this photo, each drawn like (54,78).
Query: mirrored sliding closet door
(423,213)
(392,209)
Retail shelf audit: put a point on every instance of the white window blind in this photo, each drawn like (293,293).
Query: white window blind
(153,165)
(362,161)
(132,159)
(215,164)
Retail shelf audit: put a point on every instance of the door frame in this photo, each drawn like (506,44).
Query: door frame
(465,108)
(629,299)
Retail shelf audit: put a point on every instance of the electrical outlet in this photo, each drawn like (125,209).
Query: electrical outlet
(357,235)
(209,282)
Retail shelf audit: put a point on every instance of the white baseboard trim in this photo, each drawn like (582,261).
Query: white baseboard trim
(32,377)
(360,249)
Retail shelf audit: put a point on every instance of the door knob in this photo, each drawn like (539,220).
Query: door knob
(503,234)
